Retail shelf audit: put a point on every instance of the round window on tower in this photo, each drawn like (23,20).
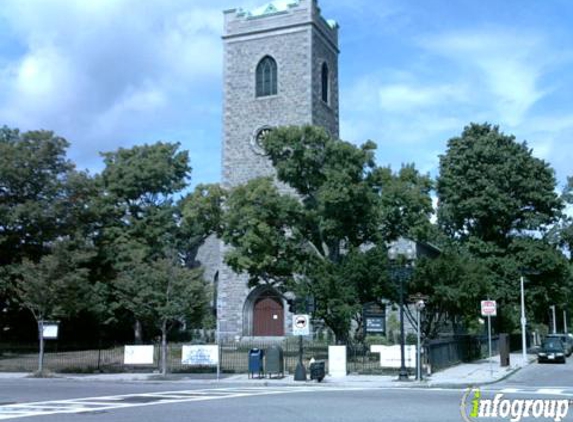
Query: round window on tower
(257,139)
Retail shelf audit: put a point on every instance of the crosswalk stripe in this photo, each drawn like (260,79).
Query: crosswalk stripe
(94,404)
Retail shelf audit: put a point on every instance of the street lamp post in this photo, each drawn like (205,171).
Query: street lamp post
(403,375)
(419,301)
(394,252)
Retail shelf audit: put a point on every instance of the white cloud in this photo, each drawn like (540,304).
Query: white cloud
(108,72)
(401,97)
(506,65)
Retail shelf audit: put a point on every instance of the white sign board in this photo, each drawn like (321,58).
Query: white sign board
(50,331)
(301,325)
(205,355)
(488,308)
(337,361)
(138,355)
(390,356)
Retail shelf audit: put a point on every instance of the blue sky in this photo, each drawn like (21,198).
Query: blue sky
(111,73)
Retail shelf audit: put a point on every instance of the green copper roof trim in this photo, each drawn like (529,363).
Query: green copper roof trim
(272,8)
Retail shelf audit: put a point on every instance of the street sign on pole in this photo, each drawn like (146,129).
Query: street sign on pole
(301,325)
(488,308)
(50,330)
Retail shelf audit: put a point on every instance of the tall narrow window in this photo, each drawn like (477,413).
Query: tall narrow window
(266,77)
(324,77)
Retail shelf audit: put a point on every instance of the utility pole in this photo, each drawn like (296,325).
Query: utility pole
(523,324)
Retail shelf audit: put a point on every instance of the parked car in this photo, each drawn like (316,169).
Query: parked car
(552,350)
(567,342)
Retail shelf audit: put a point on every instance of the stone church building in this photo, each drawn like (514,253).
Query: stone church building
(280,68)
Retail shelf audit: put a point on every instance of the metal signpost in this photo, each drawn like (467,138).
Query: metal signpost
(218,340)
(300,327)
(489,309)
(47,330)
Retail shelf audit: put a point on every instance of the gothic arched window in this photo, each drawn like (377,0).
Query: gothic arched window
(266,77)
(324,80)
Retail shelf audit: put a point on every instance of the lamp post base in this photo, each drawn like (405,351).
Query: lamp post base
(300,372)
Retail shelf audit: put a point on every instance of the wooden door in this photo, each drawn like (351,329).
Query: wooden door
(268,317)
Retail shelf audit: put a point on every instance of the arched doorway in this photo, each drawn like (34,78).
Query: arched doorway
(268,316)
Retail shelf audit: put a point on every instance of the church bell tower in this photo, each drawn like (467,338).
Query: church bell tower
(280,68)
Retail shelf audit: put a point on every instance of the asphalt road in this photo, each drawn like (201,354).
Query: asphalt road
(69,400)
(544,375)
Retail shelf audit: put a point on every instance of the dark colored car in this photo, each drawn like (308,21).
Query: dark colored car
(567,342)
(552,350)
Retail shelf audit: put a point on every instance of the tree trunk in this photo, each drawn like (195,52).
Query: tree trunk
(164,348)
(41,342)
(138,332)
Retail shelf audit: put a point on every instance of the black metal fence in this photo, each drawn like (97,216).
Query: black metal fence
(447,352)
(73,358)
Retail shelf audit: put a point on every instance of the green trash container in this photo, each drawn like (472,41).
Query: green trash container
(274,361)
(504,349)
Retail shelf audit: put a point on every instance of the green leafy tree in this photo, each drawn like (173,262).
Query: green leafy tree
(563,232)
(33,174)
(201,217)
(161,291)
(138,185)
(43,200)
(491,187)
(404,203)
(454,283)
(499,202)
(56,286)
(149,240)
(137,206)
(325,221)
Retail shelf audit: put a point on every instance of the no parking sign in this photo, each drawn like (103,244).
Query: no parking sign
(488,308)
(301,325)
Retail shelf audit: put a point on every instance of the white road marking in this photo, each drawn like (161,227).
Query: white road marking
(510,390)
(95,404)
(551,391)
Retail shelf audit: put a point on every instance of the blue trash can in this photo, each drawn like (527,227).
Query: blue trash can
(256,362)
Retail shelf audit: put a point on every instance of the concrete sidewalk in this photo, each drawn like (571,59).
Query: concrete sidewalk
(459,376)
(462,375)
(479,372)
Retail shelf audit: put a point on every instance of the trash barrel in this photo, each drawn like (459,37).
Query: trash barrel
(274,361)
(317,370)
(504,349)
(256,362)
